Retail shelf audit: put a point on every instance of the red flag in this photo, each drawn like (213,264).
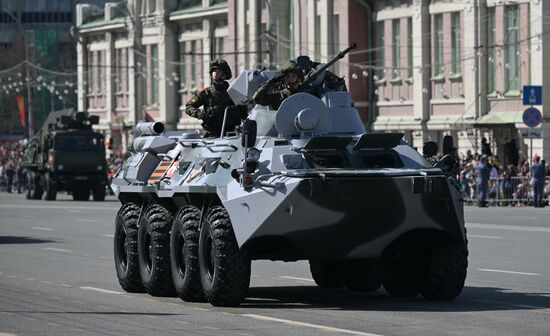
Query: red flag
(21,105)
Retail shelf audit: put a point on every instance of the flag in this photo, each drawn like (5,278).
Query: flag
(148,117)
(21,105)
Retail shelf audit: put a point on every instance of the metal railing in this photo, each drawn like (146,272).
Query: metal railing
(505,191)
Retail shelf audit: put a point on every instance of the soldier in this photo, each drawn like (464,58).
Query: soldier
(214,100)
(277,89)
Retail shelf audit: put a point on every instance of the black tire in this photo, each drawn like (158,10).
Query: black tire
(401,277)
(35,189)
(98,193)
(50,188)
(81,194)
(154,251)
(28,185)
(126,249)
(325,273)
(446,272)
(184,254)
(224,269)
(361,275)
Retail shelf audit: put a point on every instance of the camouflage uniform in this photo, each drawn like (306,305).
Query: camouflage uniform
(214,100)
(274,91)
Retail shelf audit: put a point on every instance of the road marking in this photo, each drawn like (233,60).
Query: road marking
(101,290)
(501,303)
(485,237)
(308,325)
(202,309)
(509,272)
(109,235)
(41,228)
(507,227)
(16,206)
(65,285)
(296,278)
(175,304)
(57,250)
(229,314)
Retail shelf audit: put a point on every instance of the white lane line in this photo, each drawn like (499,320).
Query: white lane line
(57,250)
(509,272)
(41,228)
(296,278)
(109,235)
(101,290)
(308,325)
(508,227)
(17,206)
(484,237)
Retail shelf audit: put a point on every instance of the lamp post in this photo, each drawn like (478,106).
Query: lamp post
(27,78)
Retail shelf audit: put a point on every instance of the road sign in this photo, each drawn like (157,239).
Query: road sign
(532,95)
(532,117)
(531,133)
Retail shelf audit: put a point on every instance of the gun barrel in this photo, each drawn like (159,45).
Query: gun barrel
(315,73)
(149,128)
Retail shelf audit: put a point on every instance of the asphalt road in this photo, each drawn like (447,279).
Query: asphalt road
(57,277)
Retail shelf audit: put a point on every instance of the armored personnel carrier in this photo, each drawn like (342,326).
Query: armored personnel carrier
(304,182)
(66,154)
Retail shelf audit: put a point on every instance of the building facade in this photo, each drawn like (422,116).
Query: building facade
(447,67)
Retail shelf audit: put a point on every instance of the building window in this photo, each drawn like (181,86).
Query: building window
(409,48)
(118,70)
(438,45)
(189,3)
(456,49)
(154,78)
(194,64)
(492,51)
(152,6)
(380,38)
(220,47)
(396,45)
(511,48)
(99,56)
(90,84)
(183,65)
(336,40)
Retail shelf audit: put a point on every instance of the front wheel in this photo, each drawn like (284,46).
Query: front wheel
(224,269)
(446,272)
(98,193)
(361,275)
(81,194)
(50,188)
(325,273)
(126,250)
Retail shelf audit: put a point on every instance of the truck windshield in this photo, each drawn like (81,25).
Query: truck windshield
(78,143)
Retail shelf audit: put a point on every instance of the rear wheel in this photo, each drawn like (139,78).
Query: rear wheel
(361,275)
(99,193)
(224,269)
(35,185)
(126,250)
(154,251)
(184,254)
(446,272)
(325,273)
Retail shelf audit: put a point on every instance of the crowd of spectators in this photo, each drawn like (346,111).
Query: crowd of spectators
(508,185)
(11,172)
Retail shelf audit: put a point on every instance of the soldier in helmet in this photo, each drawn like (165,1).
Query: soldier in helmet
(277,89)
(214,100)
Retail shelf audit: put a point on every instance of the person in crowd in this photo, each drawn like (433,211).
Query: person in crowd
(482,171)
(10,174)
(485,147)
(538,175)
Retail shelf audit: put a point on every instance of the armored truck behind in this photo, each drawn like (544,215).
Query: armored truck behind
(305,182)
(66,154)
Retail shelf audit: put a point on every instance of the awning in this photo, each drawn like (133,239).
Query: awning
(500,118)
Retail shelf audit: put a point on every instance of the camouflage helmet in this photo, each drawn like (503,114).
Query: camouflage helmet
(292,67)
(222,64)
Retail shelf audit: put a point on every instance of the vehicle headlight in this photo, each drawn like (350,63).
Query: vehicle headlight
(60,167)
(99,167)
(253,154)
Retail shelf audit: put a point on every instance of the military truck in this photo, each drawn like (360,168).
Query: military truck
(305,182)
(66,154)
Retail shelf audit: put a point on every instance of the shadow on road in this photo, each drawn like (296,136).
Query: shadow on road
(122,313)
(472,299)
(23,240)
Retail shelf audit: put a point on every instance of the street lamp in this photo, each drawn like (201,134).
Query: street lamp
(29,106)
